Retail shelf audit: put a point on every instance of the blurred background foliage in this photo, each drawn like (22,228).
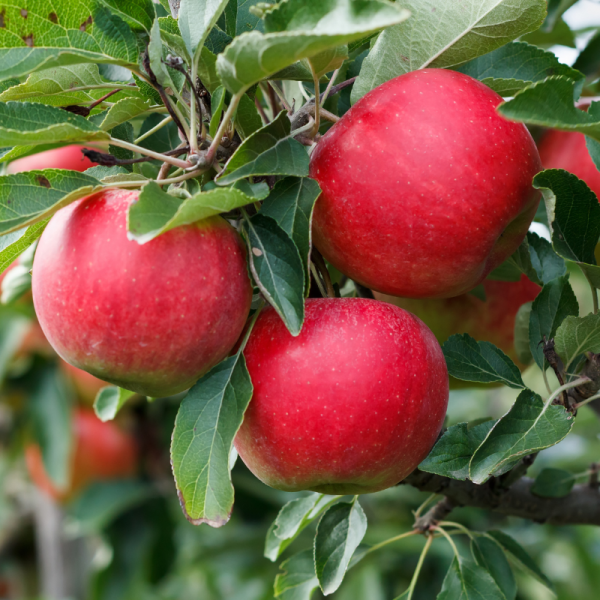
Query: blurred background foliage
(128,539)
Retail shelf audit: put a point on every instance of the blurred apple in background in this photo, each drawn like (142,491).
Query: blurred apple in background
(69,157)
(492,320)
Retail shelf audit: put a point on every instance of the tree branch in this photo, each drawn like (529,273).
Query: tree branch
(580,507)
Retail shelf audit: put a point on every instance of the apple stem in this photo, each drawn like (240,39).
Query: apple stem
(251,326)
(450,541)
(329,86)
(176,162)
(396,538)
(316,277)
(415,577)
(322,267)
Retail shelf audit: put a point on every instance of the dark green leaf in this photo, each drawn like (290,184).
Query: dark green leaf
(26,198)
(138,14)
(297,580)
(50,411)
(164,139)
(109,402)
(515,66)
(490,556)
(466,580)
(520,556)
(553,483)
(268,151)
(155,211)
(291,204)
(340,531)
(217,102)
(529,426)
(292,519)
(463,31)
(208,419)
(588,61)
(452,453)
(277,269)
(247,117)
(470,360)
(554,303)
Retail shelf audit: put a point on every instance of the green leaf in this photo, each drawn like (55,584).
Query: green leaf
(297,580)
(268,151)
(62,33)
(29,123)
(109,402)
(50,413)
(556,8)
(291,204)
(277,269)
(463,31)
(452,453)
(247,118)
(577,335)
(466,580)
(553,483)
(574,218)
(62,86)
(535,258)
(470,360)
(155,211)
(529,426)
(26,198)
(588,61)
(516,66)
(102,502)
(196,19)
(171,36)
(549,103)
(340,531)
(300,29)
(208,419)
(489,555)
(295,516)
(521,335)
(138,14)
(207,70)
(561,34)
(520,556)
(123,111)
(164,139)
(14,244)
(329,60)
(554,303)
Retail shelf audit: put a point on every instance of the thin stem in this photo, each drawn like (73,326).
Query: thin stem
(212,151)
(157,155)
(317,124)
(423,506)
(105,97)
(318,260)
(580,404)
(545,376)
(164,171)
(261,110)
(193,109)
(304,128)
(458,526)
(565,387)
(152,131)
(415,577)
(128,184)
(450,541)
(329,115)
(392,540)
(316,277)
(102,86)
(281,96)
(329,85)
(251,326)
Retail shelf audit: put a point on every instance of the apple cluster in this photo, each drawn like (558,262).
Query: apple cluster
(426,189)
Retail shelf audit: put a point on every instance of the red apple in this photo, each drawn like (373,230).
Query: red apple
(492,320)
(101,451)
(567,150)
(425,187)
(87,386)
(69,157)
(350,406)
(150,318)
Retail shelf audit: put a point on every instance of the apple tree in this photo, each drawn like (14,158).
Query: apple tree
(297,240)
